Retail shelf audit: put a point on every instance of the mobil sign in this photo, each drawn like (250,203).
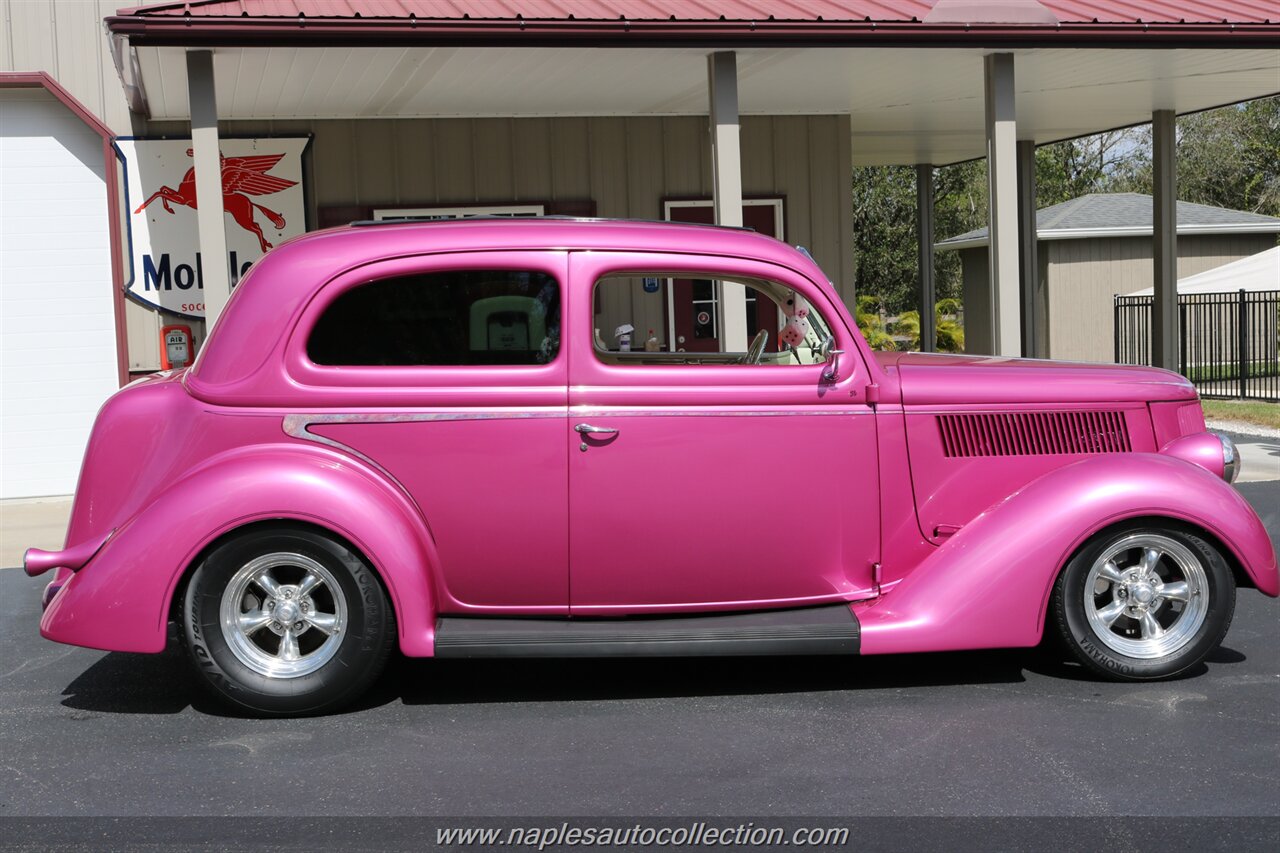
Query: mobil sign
(262,200)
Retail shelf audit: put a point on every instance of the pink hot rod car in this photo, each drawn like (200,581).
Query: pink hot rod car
(427,436)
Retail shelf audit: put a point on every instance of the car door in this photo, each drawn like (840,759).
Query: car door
(714,485)
(447,372)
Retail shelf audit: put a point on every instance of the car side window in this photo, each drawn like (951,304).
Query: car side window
(666,318)
(454,317)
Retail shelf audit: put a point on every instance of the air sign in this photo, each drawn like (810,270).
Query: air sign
(262,196)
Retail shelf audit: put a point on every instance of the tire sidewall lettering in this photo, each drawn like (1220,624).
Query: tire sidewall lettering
(1091,649)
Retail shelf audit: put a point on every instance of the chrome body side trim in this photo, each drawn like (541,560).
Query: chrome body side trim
(592,411)
(299,425)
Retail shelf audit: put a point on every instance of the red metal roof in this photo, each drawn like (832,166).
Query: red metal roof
(811,11)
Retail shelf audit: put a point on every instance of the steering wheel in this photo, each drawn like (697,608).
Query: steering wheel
(755,352)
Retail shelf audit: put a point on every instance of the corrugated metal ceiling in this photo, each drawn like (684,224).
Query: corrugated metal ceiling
(905,105)
(907,102)
(1067,11)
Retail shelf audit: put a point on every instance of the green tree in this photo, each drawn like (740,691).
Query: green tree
(959,206)
(949,334)
(1229,157)
(871,323)
(1076,167)
(884,235)
(884,226)
(950,329)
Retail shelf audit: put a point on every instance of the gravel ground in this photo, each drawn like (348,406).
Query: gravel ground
(1242,428)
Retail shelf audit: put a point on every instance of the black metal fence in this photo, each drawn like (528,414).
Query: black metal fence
(1228,343)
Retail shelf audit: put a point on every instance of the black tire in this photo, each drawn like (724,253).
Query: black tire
(351,663)
(1070,603)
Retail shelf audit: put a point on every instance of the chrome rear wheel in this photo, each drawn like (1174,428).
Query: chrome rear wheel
(283,619)
(282,615)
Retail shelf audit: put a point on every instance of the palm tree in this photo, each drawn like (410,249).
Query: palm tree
(949,333)
(872,325)
(949,328)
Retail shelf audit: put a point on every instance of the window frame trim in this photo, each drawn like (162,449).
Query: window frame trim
(594,383)
(716,279)
(399,382)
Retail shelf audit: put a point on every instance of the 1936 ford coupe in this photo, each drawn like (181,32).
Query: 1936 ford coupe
(427,436)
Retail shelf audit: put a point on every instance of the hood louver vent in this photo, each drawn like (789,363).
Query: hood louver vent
(1033,433)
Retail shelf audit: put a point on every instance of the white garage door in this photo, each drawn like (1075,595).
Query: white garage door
(57,328)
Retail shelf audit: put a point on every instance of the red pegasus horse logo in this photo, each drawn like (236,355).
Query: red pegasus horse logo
(241,177)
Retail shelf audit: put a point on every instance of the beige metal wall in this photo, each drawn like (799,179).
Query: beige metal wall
(626,166)
(975,268)
(1082,276)
(67,40)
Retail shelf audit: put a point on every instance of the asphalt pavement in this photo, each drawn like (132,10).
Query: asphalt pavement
(983,733)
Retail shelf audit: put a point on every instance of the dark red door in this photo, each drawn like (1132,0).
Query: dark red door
(695,302)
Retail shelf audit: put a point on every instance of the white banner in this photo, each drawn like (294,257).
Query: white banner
(262,196)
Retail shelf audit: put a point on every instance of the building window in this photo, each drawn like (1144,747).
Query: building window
(458,212)
(458,318)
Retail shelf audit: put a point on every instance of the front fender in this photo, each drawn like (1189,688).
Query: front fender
(120,600)
(988,586)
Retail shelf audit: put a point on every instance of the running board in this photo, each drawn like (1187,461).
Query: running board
(826,630)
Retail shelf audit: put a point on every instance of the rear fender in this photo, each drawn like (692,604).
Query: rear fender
(121,599)
(988,586)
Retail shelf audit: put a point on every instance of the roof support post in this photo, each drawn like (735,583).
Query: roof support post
(1002,217)
(1029,278)
(215,274)
(726,170)
(924,258)
(1164,322)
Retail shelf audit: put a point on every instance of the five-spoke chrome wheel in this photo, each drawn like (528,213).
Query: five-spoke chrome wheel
(283,614)
(1146,596)
(283,618)
(1145,599)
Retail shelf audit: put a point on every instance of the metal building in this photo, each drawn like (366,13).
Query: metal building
(753,112)
(1098,246)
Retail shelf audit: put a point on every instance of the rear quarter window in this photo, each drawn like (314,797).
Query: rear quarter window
(453,318)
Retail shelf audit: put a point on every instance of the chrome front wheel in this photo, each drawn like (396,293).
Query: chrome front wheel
(1148,596)
(1144,600)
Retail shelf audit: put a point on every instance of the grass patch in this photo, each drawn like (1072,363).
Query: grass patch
(1262,414)
(1231,370)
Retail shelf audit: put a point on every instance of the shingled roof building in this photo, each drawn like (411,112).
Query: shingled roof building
(1098,215)
(1097,246)
(297,114)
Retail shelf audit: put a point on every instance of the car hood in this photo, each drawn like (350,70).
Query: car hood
(934,378)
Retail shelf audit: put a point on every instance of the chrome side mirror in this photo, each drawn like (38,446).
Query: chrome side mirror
(831,356)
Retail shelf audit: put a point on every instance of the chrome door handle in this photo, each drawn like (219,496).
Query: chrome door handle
(595,430)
